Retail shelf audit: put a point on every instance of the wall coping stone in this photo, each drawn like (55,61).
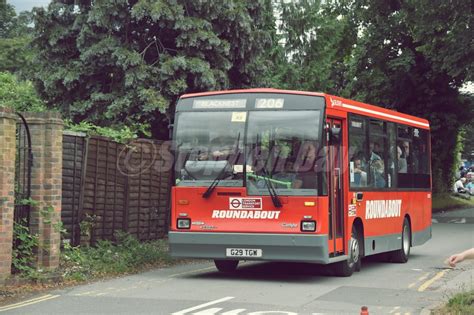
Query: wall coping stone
(6,112)
(43,118)
(74,133)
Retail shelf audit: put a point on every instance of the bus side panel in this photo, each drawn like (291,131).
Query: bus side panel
(383,214)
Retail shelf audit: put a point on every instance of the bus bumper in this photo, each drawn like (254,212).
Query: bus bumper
(276,247)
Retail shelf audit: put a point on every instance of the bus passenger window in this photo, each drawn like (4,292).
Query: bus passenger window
(358,166)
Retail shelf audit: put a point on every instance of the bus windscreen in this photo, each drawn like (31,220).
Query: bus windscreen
(281,148)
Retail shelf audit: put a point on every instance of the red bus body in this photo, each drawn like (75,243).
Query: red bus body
(216,226)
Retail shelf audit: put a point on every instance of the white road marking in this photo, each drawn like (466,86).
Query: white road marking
(209,311)
(203,305)
(234,312)
(28,302)
(272,312)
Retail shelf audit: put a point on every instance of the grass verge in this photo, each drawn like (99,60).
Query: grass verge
(446,201)
(461,303)
(80,264)
(127,255)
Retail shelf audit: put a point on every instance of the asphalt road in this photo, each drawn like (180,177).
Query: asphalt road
(276,288)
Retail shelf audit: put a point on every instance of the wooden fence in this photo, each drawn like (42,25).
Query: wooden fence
(121,188)
(74,154)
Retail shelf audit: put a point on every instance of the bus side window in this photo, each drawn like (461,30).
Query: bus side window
(421,177)
(393,162)
(377,154)
(405,156)
(358,165)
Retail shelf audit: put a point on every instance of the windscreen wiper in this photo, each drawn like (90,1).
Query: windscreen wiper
(271,190)
(215,182)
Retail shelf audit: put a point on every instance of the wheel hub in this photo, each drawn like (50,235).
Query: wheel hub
(354,251)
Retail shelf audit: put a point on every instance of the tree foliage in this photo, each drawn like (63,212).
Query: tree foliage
(317,38)
(119,61)
(115,62)
(19,95)
(398,64)
(411,56)
(13,25)
(15,36)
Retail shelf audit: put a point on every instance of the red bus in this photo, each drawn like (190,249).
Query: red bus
(277,175)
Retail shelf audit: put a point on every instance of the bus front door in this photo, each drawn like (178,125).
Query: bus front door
(336,200)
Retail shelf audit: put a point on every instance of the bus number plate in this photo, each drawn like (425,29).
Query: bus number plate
(243,252)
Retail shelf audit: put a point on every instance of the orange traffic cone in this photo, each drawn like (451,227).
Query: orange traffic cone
(364,310)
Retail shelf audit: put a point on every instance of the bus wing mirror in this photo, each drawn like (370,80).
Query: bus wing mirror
(334,135)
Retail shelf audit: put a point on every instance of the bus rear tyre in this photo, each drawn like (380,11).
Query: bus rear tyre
(226,265)
(401,255)
(353,263)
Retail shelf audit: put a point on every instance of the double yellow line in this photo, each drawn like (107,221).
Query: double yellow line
(425,285)
(28,302)
(429,282)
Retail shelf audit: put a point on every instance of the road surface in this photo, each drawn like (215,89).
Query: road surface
(277,288)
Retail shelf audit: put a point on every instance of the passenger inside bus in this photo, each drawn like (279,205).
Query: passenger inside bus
(221,148)
(402,161)
(360,176)
(377,167)
(305,167)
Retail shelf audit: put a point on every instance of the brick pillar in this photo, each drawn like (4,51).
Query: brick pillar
(7,188)
(46,184)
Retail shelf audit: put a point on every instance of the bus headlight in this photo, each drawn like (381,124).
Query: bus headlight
(184,223)
(308,226)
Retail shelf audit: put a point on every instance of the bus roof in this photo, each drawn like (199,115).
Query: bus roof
(334,102)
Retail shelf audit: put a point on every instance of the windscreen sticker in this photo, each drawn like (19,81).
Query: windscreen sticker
(239,116)
(245,203)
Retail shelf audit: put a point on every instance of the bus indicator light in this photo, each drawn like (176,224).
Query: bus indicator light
(309,203)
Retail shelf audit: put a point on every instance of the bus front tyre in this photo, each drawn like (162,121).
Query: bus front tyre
(401,255)
(353,263)
(226,265)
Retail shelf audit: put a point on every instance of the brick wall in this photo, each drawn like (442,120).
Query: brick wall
(46,184)
(7,186)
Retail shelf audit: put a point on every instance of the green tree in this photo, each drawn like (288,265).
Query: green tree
(317,38)
(15,54)
(395,66)
(119,61)
(19,95)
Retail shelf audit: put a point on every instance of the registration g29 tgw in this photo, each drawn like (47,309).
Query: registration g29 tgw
(243,252)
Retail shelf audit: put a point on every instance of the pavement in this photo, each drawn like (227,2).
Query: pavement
(454,216)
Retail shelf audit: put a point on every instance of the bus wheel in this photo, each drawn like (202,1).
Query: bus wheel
(401,255)
(226,265)
(353,263)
